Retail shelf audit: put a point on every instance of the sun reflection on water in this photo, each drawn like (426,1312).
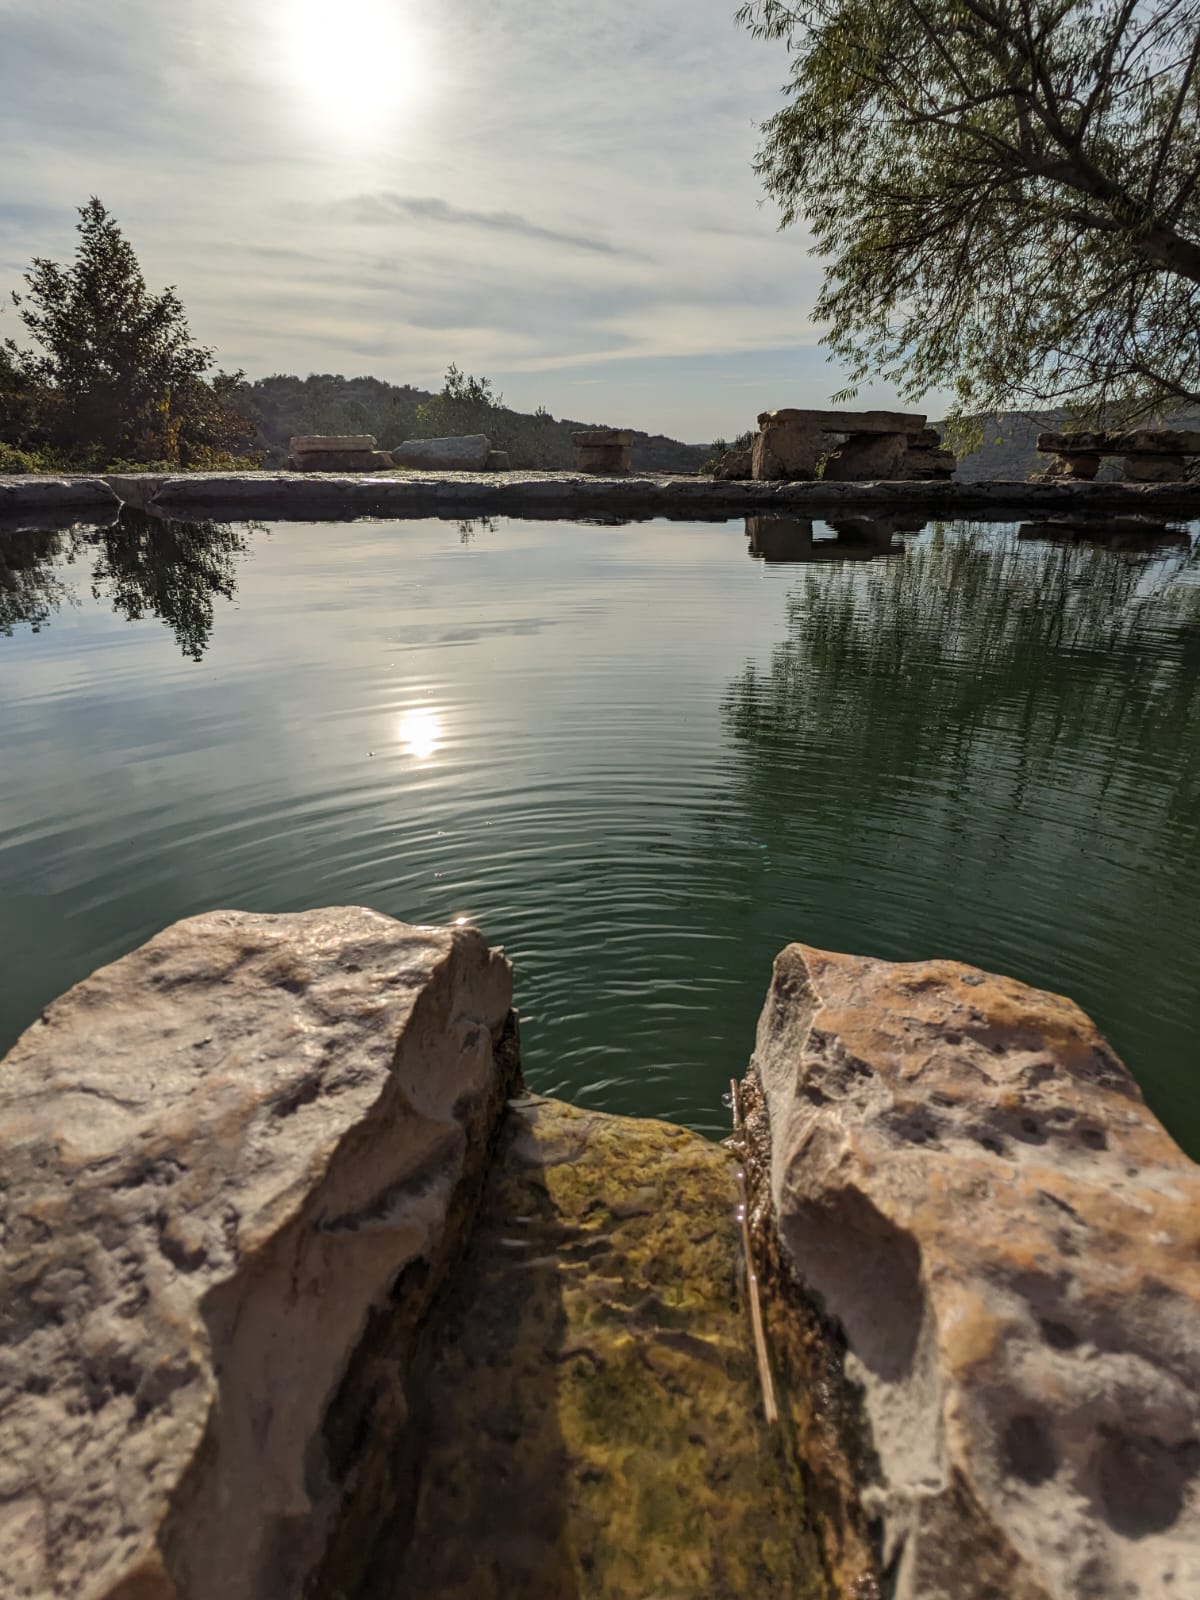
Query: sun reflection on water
(421,733)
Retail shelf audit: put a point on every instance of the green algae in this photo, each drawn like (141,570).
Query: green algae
(586,1420)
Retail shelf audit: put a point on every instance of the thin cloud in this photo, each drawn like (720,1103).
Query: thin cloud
(385,207)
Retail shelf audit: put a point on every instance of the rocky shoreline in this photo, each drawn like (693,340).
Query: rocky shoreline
(303,1295)
(308,496)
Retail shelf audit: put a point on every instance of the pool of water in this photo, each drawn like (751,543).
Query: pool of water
(642,758)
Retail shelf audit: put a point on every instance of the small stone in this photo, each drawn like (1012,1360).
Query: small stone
(497,461)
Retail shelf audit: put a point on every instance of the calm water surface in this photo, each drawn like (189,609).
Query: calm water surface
(638,757)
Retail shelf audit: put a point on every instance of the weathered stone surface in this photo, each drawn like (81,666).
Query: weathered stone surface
(845,421)
(922,465)
(606,451)
(970,1183)
(302,444)
(1154,468)
(24,495)
(314,496)
(497,461)
(1080,464)
(865,456)
(600,438)
(220,1155)
(135,489)
(468,453)
(339,460)
(590,1419)
(1136,441)
(786,450)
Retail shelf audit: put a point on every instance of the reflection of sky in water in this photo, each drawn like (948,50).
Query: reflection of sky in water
(642,762)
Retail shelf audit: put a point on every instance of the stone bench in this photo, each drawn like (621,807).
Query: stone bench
(604,450)
(1149,455)
(875,444)
(327,452)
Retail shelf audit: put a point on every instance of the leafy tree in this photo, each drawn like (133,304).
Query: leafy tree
(119,374)
(1007,192)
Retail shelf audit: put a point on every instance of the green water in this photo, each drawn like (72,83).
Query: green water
(641,759)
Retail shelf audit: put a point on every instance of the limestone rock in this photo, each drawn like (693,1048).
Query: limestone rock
(786,450)
(221,1154)
(969,1181)
(25,496)
(867,456)
(467,453)
(1154,468)
(339,460)
(589,1422)
(845,421)
(497,461)
(927,466)
(1080,464)
(604,450)
(332,443)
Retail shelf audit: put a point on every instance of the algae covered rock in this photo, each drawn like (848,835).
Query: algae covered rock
(968,1181)
(590,1421)
(236,1162)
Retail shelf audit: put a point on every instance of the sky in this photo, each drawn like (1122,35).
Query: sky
(556,195)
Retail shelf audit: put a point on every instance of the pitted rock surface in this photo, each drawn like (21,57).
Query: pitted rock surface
(221,1152)
(968,1180)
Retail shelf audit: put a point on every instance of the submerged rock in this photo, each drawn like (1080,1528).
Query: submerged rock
(236,1164)
(967,1182)
(589,1420)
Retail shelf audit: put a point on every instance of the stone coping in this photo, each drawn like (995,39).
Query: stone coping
(309,496)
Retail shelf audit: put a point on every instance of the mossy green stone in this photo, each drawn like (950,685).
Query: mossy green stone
(589,1419)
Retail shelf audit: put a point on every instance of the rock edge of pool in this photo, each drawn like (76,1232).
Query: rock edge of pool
(306,1296)
(317,496)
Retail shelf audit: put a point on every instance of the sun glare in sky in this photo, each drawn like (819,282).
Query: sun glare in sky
(356,67)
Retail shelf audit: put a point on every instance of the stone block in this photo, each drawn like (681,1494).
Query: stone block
(968,1184)
(338,444)
(497,461)
(1154,468)
(786,451)
(605,451)
(866,457)
(845,421)
(465,453)
(336,460)
(237,1163)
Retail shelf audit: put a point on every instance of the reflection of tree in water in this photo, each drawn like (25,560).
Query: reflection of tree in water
(925,665)
(144,566)
(30,588)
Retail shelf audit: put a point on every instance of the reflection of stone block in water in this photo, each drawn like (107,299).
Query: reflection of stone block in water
(1119,533)
(792,539)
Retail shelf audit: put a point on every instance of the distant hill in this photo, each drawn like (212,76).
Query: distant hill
(284,405)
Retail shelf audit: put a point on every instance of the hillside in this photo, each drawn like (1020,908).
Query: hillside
(284,405)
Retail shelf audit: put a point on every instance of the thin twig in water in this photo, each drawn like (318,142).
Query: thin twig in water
(770,1410)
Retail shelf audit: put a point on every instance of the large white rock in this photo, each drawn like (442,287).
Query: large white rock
(220,1154)
(970,1183)
(466,454)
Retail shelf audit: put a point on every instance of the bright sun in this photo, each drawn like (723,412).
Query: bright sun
(356,66)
